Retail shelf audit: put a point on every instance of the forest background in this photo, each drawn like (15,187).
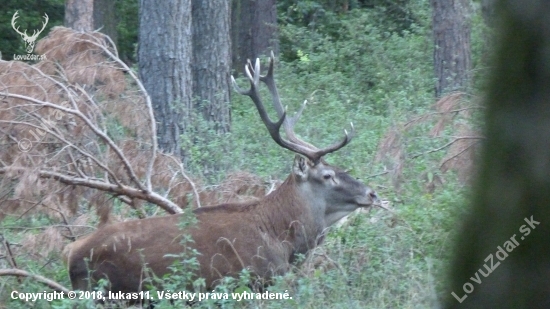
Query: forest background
(411,91)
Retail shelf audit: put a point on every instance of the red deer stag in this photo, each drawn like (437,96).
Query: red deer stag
(263,236)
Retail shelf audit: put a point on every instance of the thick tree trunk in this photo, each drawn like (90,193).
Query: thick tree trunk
(212,61)
(164,56)
(451,32)
(506,237)
(253,30)
(90,15)
(79,15)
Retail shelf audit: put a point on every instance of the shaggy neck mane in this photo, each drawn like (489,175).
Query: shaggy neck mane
(291,216)
(283,214)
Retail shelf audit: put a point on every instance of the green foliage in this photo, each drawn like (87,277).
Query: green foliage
(326,18)
(127,29)
(482,37)
(396,15)
(387,61)
(394,79)
(182,270)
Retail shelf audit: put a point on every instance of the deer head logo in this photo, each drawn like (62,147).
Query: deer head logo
(29,40)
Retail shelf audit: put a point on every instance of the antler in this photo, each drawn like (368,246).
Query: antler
(293,143)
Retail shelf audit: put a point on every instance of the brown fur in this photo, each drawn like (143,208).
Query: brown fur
(263,236)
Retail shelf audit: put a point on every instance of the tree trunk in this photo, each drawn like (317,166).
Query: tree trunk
(253,30)
(164,56)
(507,233)
(90,15)
(212,61)
(451,32)
(79,15)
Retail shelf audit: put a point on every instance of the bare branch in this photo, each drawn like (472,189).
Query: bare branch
(151,197)
(180,165)
(22,273)
(69,144)
(9,253)
(457,154)
(103,136)
(147,102)
(47,227)
(456,139)
(86,120)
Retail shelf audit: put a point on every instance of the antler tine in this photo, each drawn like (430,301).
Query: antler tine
(237,88)
(293,120)
(247,69)
(257,71)
(254,77)
(269,80)
(314,153)
(253,74)
(347,138)
(293,143)
(288,125)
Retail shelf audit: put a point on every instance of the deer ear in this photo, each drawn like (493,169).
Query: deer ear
(300,167)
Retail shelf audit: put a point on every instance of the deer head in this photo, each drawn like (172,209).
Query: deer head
(315,170)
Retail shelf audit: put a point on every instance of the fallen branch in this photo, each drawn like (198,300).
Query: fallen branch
(457,154)
(148,102)
(75,112)
(194,188)
(151,197)
(22,273)
(456,139)
(424,116)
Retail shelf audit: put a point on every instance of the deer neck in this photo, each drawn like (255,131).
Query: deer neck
(298,215)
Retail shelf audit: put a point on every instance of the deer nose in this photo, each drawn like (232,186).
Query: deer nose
(373,196)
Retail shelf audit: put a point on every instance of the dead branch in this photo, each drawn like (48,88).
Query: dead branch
(147,102)
(9,253)
(377,174)
(456,139)
(446,160)
(182,171)
(82,119)
(151,197)
(22,273)
(88,122)
(27,228)
(427,115)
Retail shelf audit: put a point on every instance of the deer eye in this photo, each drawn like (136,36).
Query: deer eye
(327,176)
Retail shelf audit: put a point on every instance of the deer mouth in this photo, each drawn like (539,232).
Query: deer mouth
(365,204)
(369,199)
